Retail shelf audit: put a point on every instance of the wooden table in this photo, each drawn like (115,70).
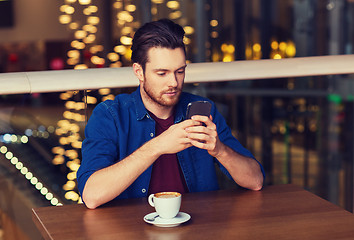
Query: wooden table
(276,212)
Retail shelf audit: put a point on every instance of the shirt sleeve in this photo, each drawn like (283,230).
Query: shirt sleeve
(99,149)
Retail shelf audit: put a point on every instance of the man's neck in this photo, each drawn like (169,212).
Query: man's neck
(158,110)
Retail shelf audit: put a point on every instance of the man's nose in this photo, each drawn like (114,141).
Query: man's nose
(173,82)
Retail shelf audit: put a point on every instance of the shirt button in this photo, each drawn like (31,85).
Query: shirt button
(143,190)
(151,135)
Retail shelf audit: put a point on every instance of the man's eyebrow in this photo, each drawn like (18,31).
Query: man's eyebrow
(165,70)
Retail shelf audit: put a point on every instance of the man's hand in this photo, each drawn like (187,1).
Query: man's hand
(205,137)
(244,170)
(174,139)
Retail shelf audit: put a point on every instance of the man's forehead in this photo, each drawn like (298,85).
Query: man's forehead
(166,58)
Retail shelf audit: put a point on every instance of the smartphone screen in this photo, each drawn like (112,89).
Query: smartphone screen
(198,108)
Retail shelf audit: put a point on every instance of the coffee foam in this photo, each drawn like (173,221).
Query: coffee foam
(167,194)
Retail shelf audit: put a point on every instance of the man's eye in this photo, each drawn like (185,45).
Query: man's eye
(161,73)
(180,72)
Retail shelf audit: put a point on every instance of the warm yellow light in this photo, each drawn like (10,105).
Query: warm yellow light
(153,10)
(130,8)
(79,106)
(230,48)
(93,20)
(69,10)
(70,185)
(214,23)
(72,61)
(118,5)
(68,115)
(274,45)
(70,1)
(89,39)
(64,19)
(97,60)
(120,49)
(81,66)
(73,166)
(58,159)
(62,8)
(157,1)
(127,30)
(78,45)
(87,11)
(71,154)
(113,57)
(189,30)
(58,150)
(172,4)
(290,49)
(95,49)
(77,144)
(73,54)
(71,176)
(93,8)
(108,97)
(63,141)
(256,47)
(128,54)
(227,48)
(71,195)
(227,58)
(70,104)
(74,25)
(63,123)
(115,65)
(282,46)
(104,91)
(175,15)
(90,100)
(277,56)
(80,34)
(126,40)
(214,34)
(124,15)
(186,40)
(84,2)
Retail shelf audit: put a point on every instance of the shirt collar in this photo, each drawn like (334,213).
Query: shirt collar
(140,109)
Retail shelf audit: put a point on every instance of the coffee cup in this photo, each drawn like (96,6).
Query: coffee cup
(166,204)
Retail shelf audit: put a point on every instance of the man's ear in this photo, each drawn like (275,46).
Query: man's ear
(138,71)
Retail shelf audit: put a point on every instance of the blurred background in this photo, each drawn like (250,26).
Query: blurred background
(300,129)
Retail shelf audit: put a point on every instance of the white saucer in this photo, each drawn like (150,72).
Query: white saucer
(161,222)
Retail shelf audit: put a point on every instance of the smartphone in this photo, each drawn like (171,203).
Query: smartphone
(198,108)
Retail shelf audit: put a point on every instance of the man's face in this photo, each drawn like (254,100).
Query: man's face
(163,78)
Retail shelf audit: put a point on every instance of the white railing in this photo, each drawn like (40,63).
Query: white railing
(57,81)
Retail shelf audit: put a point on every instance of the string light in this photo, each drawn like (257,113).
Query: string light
(29,176)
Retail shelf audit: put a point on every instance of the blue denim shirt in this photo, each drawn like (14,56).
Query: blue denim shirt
(117,128)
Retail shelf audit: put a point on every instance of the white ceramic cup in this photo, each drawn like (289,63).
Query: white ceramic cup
(166,204)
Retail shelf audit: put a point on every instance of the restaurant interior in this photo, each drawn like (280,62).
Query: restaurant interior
(301,129)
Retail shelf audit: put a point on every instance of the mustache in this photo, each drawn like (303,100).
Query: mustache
(171,90)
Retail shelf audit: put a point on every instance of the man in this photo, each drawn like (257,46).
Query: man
(140,143)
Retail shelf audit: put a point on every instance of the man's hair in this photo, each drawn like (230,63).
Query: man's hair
(162,33)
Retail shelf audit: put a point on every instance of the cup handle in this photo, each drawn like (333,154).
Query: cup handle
(150,199)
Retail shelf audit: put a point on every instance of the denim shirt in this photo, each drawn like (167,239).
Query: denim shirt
(118,127)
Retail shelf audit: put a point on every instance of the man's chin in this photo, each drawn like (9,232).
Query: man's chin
(170,102)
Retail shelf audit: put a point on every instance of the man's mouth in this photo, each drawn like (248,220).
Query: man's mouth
(171,93)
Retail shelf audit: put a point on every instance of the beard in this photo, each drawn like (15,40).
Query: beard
(161,98)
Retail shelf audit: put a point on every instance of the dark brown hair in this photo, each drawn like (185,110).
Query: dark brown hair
(162,33)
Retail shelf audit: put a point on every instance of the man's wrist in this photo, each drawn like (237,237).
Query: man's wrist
(153,148)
